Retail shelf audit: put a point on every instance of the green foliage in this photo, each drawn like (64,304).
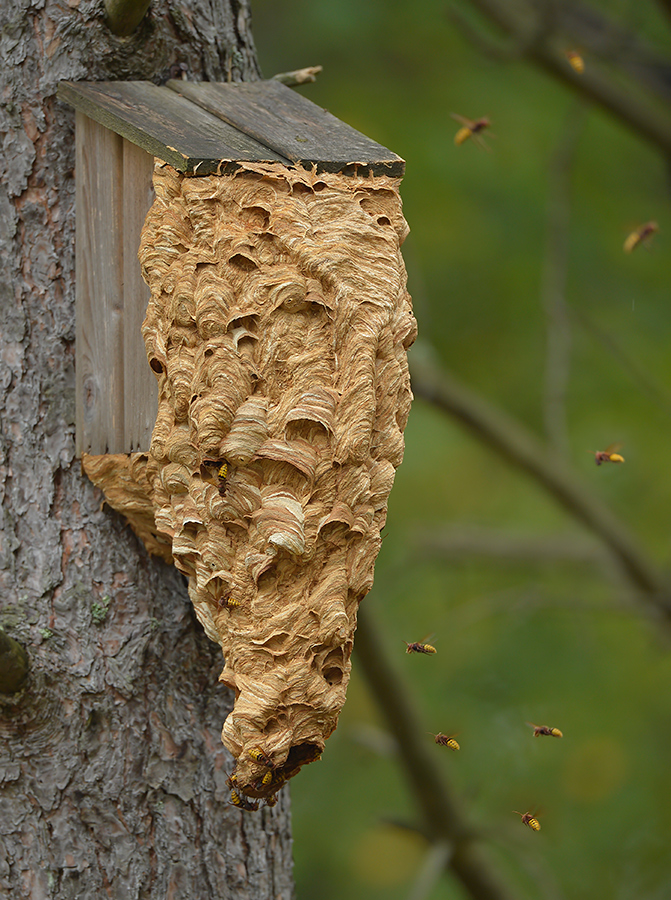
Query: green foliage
(556,644)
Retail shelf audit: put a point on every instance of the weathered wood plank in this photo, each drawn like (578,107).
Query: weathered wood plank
(167,125)
(292,125)
(99,289)
(141,395)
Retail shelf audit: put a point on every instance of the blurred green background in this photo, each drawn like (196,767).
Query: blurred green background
(555,643)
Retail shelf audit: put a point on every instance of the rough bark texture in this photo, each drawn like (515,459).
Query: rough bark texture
(112,774)
(277,328)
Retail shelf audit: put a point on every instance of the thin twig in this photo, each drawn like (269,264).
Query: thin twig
(520,447)
(629,364)
(485,43)
(553,290)
(298,76)
(433,865)
(443,821)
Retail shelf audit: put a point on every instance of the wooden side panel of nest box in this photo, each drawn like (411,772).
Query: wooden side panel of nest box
(277,328)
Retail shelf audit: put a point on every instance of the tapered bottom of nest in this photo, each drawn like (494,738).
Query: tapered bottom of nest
(269,779)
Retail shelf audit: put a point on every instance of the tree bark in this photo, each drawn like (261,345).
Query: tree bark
(112,772)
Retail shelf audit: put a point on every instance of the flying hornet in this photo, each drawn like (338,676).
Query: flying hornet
(641,234)
(419,647)
(445,740)
(530,820)
(545,729)
(470,129)
(575,60)
(610,454)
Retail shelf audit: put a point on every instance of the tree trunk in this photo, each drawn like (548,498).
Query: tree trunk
(112,769)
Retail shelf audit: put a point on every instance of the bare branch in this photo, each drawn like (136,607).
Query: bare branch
(443,821)
(628,106)
(603,37)
(14,664)
(516,444)
(460,542)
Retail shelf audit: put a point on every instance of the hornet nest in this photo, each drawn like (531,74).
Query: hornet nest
(277,328)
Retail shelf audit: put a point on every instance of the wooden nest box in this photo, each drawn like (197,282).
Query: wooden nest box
(242,394)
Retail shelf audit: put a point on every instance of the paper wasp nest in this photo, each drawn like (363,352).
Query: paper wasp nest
(277,327)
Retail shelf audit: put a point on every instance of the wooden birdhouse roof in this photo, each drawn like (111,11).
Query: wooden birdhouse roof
(208,128)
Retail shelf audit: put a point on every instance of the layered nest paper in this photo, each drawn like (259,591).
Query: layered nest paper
(277,328)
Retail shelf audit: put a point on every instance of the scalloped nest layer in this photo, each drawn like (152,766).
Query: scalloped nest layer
(277,328)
